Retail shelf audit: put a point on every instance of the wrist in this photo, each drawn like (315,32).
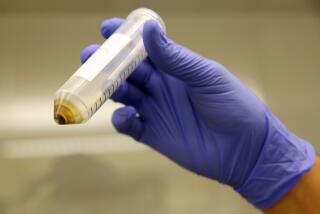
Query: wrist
(303,197)
(283,160)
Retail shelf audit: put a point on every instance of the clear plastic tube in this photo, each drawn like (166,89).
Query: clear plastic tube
(96,80)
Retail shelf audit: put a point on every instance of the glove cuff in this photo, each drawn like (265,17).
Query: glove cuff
(284,159)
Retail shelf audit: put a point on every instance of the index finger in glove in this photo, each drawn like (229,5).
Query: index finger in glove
(109,26)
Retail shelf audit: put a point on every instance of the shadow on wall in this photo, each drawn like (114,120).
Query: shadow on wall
(81,184)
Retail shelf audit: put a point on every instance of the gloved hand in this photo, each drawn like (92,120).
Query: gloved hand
(195,112)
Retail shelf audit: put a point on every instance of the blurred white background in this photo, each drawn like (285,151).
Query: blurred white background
(272,46)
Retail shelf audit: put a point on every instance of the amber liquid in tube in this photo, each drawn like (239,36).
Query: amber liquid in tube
(97,79)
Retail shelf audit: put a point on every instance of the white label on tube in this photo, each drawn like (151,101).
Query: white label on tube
(100,59)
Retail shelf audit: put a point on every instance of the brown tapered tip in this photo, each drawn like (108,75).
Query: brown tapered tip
(66,113)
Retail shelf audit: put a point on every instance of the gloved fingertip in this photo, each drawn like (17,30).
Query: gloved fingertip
(122,118)
(153,36)
(87,52)
(108,26)
(151,26)
(161,50)
(120,92)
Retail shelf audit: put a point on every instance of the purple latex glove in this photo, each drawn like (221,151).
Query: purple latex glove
(195,112)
